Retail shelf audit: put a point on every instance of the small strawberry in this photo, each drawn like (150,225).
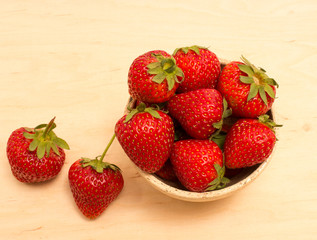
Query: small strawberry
(199,112)
(198,164)
(200,66)
(154,77)
(247,89)
(146,135)
(95,184)
(249,142)
(167,172)
(36,154)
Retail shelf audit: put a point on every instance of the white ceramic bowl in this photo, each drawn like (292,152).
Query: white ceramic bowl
(237,182)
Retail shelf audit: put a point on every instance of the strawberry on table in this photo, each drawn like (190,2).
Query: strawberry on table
(248,89)
(199,112)
(198,164)
(154,77)
(95,184)
(200,66)
(249,142)
(36,154)
(146,135)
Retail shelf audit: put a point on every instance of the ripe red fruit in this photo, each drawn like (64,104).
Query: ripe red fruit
(167,172)
(154,77)
(200,66)
(36,154)
(198,164)
(249,142)
(146,135)
(95,184)
(199,112)
(247,89)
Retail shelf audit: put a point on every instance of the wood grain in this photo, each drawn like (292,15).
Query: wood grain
(70,59)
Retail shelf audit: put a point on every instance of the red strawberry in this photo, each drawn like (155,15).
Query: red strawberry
(249,142)
(146,136)
(153,77)
(94,184)
(198,164)
(200,66)
(36,154)
(247,89)
(167,172)
(199,112)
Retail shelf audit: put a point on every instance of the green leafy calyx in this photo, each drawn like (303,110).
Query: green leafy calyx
(220,181)
(259,81)
(194,48)
(226,113)
(265,119)
(143,108)
(97,163)
(44,139)
(219,139)
(165,68)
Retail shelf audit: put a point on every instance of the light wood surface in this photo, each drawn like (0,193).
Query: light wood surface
(70,59)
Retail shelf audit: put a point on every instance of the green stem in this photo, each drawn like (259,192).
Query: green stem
(49,127)
(108,146)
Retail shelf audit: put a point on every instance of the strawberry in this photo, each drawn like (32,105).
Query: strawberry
(198,164)
(247,89)
(200,66)
(199,112)
(146,135)
(95,184)
(36,154)
(154,77)
(249,142)
(167,172)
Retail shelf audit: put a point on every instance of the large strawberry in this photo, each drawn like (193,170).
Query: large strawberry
(249,142)
(95,184)
(198,164)
(146,135)
(36,154)
(248,89)
(199,112)
(200,66)
(154,77)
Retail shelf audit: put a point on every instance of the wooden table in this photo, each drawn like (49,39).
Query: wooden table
(70,59)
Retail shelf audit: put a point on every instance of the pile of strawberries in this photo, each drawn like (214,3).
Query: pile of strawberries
(190,119)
